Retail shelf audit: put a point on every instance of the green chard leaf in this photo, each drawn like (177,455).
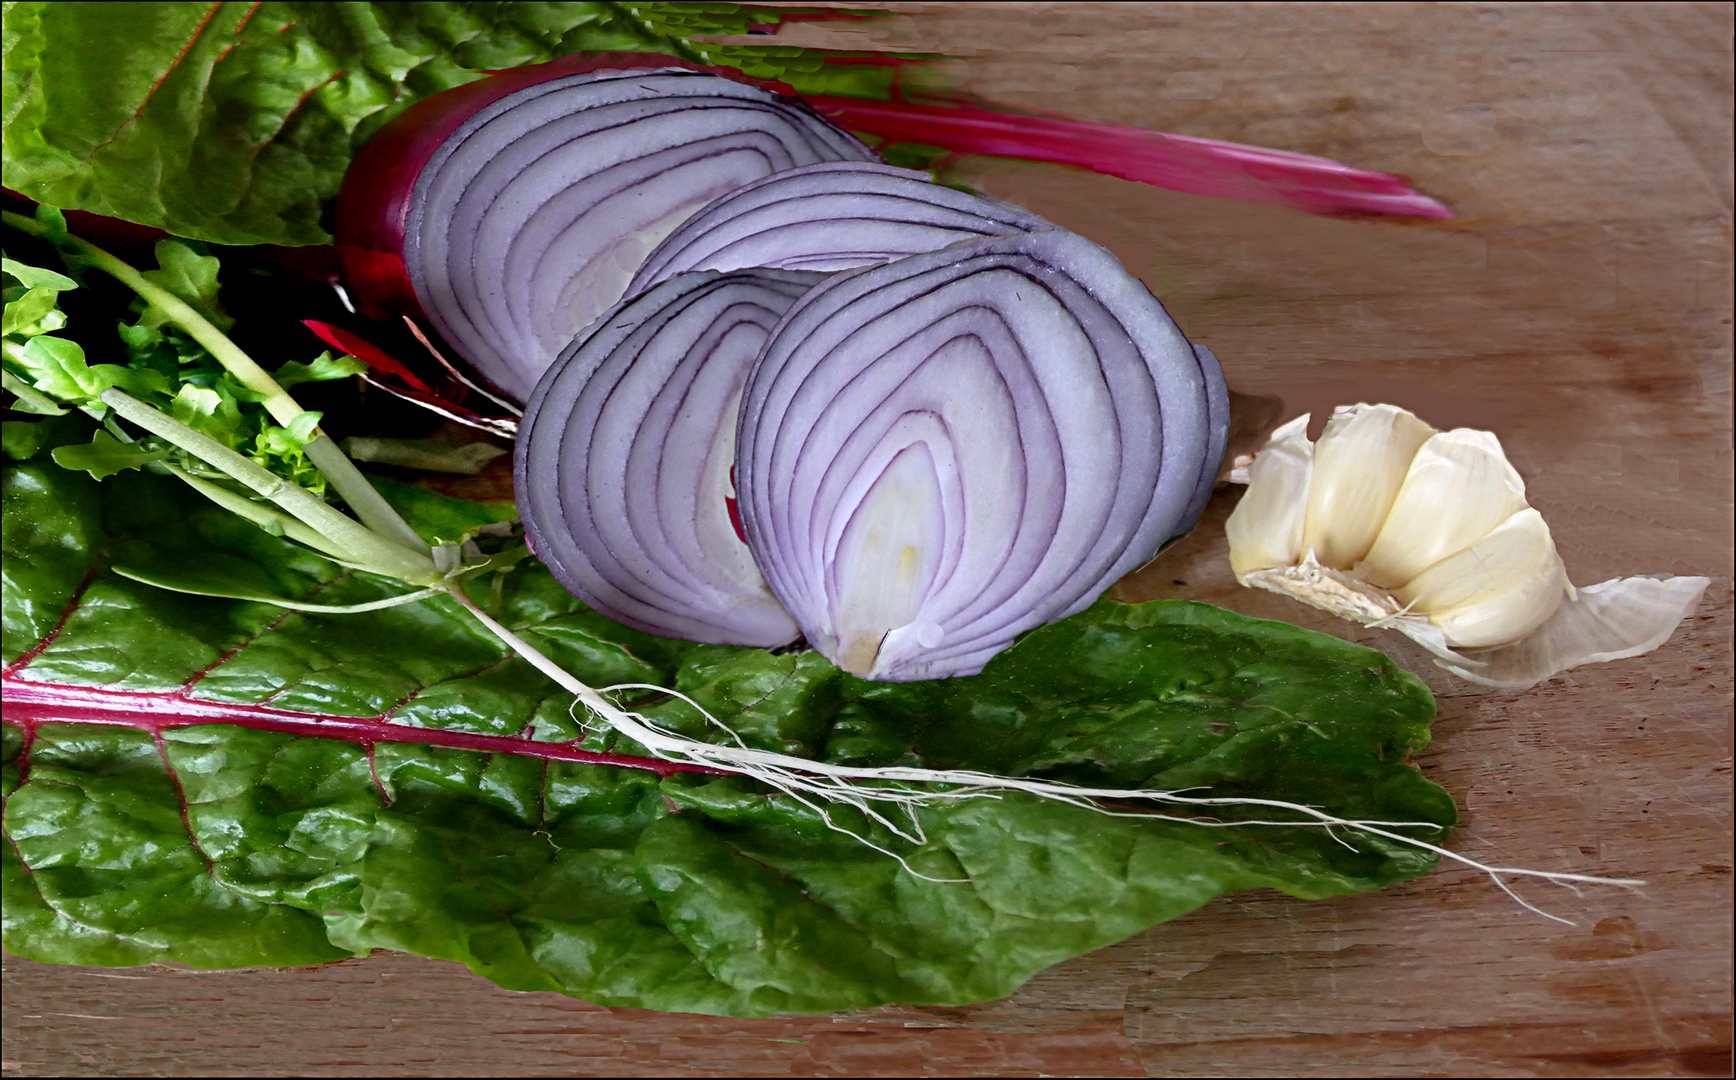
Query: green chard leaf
(234,122)
(239,836)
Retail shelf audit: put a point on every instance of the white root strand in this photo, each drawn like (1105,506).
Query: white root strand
(799,776)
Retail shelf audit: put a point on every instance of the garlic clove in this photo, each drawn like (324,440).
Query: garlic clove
(1611,620)
(1498,590)
(1265,529)
(1360,463)
(1459,487)
(1460,563)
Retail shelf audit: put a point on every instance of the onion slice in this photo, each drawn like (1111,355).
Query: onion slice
(941,453)
(528,221)
(623,461)
(833,216)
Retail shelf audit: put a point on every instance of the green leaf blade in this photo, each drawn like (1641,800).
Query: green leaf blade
(52,535)
(99,828)
(233,123)
(692,893)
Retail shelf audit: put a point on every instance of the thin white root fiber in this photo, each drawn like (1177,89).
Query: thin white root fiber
(815,783)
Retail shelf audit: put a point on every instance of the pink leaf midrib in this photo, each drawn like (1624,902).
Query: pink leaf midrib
(1190,164)
(30,704)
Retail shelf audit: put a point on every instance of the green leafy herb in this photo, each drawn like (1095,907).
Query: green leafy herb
(694,893)
(56,366)
(105,455)
(32,298)
(190,275)
(322,368)
(165,368)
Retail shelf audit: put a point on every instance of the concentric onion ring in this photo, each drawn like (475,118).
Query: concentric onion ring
(939,454)
(833,216)
(623,460)
(529,220)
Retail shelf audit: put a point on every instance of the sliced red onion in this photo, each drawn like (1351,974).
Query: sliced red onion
(530,218)
(1218,422)
(623,460)
(941,453)
(833,216)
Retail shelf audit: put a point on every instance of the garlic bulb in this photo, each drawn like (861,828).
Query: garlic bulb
(1389,522)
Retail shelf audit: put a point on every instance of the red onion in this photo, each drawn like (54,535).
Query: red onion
(623,459)
(527,219)
(832,216)
(941,453)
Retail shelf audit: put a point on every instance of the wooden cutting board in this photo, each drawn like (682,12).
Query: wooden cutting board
(1579,305)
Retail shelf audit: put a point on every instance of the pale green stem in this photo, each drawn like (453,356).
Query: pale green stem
(263,516)
(348,481)
(30,399)
(353,609)
(293,605)
(361,496)
(534,656)
(361,545)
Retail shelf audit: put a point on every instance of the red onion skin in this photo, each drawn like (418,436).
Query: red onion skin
(367,352)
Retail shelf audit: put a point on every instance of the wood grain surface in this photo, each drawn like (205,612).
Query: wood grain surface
(1579,306)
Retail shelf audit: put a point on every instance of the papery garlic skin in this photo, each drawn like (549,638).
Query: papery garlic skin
(1329,590)
(1611,620)
(1389,523)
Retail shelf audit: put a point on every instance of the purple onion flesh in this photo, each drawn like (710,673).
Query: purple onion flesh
(529,221)
(832,216)
(623,461)
(938,454)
